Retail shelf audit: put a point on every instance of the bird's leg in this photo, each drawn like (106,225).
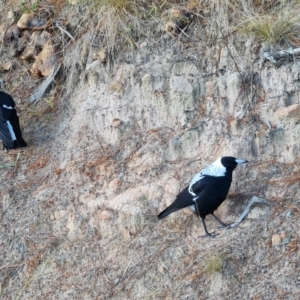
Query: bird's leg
(203,222)
(206,232)
(223,224)
(4,147)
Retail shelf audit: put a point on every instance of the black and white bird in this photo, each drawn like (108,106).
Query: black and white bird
(10,130)
(207,190)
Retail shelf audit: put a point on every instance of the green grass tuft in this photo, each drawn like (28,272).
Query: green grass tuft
(118,5)
(213,264)
(272,29)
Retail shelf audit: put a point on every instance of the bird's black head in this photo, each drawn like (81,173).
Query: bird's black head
(230,163)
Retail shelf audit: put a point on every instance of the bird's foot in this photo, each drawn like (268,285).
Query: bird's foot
(211,235)
(226,226)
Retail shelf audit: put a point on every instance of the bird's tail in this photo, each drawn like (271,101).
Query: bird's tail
(167,211)
(183,199)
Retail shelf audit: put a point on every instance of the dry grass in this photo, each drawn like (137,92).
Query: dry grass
(119,6)
(271,21)
(273,29)
(63,250)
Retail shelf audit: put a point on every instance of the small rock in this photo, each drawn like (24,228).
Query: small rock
(32,21)
(143,45)
(93,66)
(170,27)
(173,187)
(126,234)
(116,122)
(2,31)
(13,49)
(167,36)
(161,269)
(94,79)
(101,55)
(74,2)
(24,20)
(216,284)
(147,78)
(178,20)
(114,185)
(276,239)
(59,214)
(116,86)
(22,42)
(12,33)
(10,16)
(283,235)
(180,84)
(5,65)
(57,171)
(45,62)
(71,223)
(288,213)
(28,53)
(290,112)
(106,215)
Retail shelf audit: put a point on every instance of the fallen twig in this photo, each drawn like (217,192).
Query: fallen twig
(66,32)
(39,92)
(253,200)
(280,54)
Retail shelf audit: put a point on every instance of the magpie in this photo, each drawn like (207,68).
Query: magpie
(10,130)
(207,190)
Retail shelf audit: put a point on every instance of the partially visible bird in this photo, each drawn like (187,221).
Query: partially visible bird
(178,21)
(10,131)
(207,190)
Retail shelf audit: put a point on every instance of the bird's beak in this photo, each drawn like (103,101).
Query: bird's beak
(241,161)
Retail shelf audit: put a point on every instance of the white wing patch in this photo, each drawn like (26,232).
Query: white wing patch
(195,179)
(192,207)
(11,131)
(8,107)
(215,169)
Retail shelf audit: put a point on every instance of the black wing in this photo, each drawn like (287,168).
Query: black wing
(183,199)
(14,121)
(4,133)
(213,191)
(8,113)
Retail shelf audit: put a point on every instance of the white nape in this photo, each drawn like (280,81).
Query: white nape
(215,169)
